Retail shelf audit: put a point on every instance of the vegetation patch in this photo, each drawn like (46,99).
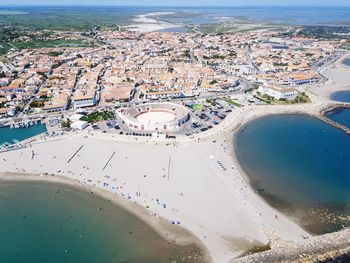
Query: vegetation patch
(37,104)
(234,103)
(98,116)
(301,98)
(40,43)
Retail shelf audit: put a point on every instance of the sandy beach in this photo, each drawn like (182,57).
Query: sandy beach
(216,205)
(192,183)
(338,79)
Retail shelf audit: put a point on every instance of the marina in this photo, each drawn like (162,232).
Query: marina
(15,133)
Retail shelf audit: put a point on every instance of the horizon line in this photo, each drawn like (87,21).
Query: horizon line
(177,6)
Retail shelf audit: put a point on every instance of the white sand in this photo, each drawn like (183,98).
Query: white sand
(147,23)
(339,79)
(156,117)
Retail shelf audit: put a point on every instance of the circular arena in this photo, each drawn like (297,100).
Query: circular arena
(155,116)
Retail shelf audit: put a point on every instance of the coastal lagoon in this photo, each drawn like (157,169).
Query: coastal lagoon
(174,30)
(5,12)
(61,17)
(301,166)
(340,115)
(46,222)
(341,96)
(8,135)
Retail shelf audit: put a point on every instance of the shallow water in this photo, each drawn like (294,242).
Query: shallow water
(301,166)
(173,30)
(44,222)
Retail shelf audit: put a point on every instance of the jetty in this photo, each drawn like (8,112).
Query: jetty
(324,117)
(324,248)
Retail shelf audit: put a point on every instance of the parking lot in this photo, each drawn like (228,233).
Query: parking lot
(205,114)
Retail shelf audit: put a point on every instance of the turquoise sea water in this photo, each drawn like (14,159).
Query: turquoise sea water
(42,222)
(8,135)
(342,96)
(340,115)
(301,166)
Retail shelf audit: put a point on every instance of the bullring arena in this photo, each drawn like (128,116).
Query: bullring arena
(155,117)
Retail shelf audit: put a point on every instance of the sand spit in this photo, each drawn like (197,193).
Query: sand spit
(149,23)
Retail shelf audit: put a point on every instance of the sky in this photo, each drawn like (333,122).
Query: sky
(181,2)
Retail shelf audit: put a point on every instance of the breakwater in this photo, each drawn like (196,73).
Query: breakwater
(323,116)
(325,248)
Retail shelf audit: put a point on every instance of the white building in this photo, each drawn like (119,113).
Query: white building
(79,125)
(6,112)
(76,117)
(238,70)
(84,99)
(155,117)
(57,104)
(278,92)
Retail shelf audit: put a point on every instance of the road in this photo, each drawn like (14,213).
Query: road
(192,56)
(249,57)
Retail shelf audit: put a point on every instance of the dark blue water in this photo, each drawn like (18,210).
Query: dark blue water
(347,62)
(8,135)
(301,166)
(42,222)
(342,96)
(340,115)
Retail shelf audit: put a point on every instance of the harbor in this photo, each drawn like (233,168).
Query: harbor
(12,135)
